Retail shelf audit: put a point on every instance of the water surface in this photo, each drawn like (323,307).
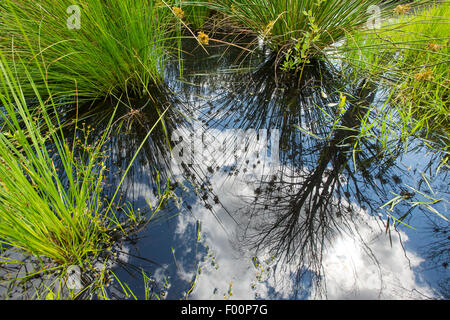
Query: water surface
(264,210)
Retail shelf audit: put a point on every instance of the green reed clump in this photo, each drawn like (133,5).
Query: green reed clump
(410,54)
(51,190)
(300,28)
(50,212)
(90,47)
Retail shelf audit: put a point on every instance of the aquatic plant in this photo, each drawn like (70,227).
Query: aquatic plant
(410,55)
(94,48)
(36,212)
(197,13)
(51,201)
(301,29)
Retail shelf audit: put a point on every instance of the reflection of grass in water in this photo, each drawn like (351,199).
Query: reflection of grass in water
(377,125)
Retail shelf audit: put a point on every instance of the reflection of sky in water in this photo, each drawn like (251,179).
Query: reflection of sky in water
(359,263)
(203,247)
(362,267)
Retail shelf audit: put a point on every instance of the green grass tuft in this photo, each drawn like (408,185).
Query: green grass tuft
(411,55)
(120,46)
(311,25)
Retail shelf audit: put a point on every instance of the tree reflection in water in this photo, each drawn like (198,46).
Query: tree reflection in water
(297,211)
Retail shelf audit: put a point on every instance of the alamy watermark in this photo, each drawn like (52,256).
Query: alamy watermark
(74,20)
(214,147)
(374,21)
(74,278)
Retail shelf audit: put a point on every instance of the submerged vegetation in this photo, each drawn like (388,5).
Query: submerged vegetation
(56,54)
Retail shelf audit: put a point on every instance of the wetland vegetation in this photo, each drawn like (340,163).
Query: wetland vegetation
(97,97)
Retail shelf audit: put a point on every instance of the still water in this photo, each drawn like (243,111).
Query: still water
(264,210)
